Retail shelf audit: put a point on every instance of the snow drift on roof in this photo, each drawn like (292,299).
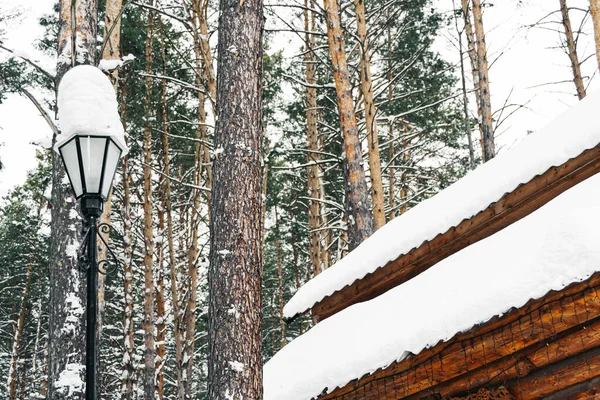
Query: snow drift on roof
(547,250)
(87,104)
(566,137)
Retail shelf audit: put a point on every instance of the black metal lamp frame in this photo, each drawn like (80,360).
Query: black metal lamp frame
(88,264)
(92,205)
(85,195)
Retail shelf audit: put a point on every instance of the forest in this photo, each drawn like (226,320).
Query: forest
(362,118)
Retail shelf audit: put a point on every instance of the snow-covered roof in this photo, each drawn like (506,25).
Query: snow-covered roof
(565,138)
(547,250)
(87,104)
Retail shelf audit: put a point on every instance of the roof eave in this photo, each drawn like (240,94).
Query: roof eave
(510,208)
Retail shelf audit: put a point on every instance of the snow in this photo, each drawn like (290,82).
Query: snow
(72,249)
(22,54)
(108,65)
(236,366)
(69,382)
(564,138)
(87,104)
(547,250)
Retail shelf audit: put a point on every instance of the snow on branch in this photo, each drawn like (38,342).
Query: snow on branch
(42,111)
(25,57)
(110,65)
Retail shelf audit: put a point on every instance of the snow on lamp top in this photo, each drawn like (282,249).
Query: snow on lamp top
(87,105)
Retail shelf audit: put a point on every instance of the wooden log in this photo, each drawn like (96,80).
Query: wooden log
(524,363)
(544,331)
(513,206)
(557,377)
(584,390)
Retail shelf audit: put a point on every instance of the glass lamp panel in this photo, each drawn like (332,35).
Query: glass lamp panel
(110,168)
(92,158)
(70,159)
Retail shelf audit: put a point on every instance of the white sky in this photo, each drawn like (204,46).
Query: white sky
(20,122)
(529,59)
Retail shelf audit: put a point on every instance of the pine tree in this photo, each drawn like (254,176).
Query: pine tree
(235,274)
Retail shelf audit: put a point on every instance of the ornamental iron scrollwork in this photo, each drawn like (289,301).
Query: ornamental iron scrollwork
(103,266)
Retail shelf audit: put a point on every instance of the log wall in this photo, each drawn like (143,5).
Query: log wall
(549,348)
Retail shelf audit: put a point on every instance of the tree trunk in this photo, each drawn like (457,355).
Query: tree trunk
(150,351)
(36,346)
(360,218)
(280,279)
(66,336)
(16,345)
(235,273)
(204,72)
(464,92)
(571,46)
(392,172)
(110,52)
(183,240)
(24,378)
(489,148)
(294,251)
(313,156)
(167,205)
(44,379)
(190,309)
(366,88)
(472,52)
(203,52)
(160,296)
(128,375)
(595,11)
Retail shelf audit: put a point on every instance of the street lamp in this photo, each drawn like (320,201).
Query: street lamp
(90,144)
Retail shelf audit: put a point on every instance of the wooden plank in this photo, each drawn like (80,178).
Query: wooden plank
(510,208)
(544,331)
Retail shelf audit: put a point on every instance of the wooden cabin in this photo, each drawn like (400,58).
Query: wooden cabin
(488,290)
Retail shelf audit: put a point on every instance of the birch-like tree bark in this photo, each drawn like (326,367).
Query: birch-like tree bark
(360,218)
(66,337)
(487,129)
(571,48)
(472,52)
(235,273)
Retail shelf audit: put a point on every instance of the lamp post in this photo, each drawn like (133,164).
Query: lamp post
(91,163)
(90,144)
